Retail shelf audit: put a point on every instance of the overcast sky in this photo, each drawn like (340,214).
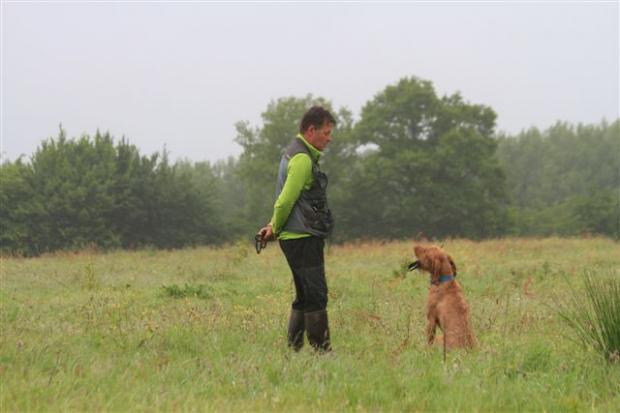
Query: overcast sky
(181,75)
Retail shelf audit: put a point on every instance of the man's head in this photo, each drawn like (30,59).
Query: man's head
(316,126)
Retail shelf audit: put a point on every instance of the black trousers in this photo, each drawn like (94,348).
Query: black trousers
(306,260)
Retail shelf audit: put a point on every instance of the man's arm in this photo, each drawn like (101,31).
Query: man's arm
(298,173)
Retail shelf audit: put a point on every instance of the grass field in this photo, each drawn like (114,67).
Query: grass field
(204,330)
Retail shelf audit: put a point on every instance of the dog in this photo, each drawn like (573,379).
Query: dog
(446,306)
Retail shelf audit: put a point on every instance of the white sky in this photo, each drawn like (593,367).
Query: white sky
(182,74)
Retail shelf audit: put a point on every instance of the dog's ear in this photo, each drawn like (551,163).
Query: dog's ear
(418,251)
(452,264)
(435,270)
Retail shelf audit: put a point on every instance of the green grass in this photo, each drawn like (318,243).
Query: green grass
(204,330)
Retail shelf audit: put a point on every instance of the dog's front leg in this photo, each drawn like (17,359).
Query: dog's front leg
(431,327)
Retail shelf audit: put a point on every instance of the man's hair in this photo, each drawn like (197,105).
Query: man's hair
(315,116)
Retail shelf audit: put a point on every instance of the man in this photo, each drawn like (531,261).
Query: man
(301,221)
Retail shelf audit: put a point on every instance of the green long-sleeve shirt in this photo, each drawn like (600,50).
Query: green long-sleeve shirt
(298,178)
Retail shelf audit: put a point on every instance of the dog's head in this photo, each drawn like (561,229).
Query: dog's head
(433,260)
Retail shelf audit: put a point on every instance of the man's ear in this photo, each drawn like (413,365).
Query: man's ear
(453,265)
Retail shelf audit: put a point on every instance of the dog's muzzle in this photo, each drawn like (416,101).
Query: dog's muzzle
(414,265)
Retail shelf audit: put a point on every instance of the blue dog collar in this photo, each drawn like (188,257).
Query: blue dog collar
(444,279)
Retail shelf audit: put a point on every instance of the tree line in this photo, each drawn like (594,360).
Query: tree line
(414,164)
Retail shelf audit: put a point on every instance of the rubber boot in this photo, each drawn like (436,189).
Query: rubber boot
(318,330)
(296,330)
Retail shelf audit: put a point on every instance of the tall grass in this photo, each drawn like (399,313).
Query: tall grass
(595,317)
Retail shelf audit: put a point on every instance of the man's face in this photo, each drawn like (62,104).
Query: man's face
(319,137)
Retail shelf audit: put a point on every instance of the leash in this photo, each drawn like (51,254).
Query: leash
(259,243)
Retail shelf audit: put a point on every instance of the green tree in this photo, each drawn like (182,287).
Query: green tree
(564,180)
(230,200)
(134,189)
(73,182)
(195,213)
(87,191)
(434,168)
(17,207)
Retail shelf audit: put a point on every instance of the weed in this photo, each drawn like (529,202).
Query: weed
(597,320)
(240,251)
(401,271)
(88,280)
(189,290)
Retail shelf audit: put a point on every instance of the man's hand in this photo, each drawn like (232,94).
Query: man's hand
(264,235)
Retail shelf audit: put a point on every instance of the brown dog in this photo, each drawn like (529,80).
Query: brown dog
(446,303)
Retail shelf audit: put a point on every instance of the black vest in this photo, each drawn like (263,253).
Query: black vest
(310,214)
